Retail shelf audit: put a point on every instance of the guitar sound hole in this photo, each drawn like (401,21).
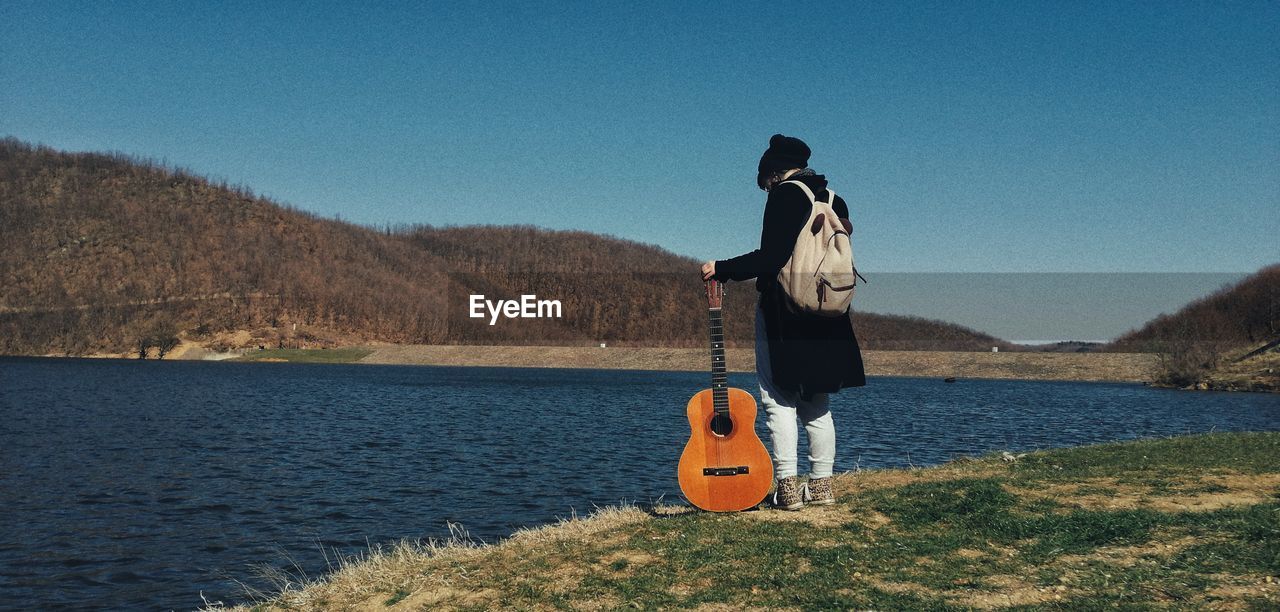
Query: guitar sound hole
(721,425)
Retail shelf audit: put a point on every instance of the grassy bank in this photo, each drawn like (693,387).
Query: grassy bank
(1189,522)
(1258,373)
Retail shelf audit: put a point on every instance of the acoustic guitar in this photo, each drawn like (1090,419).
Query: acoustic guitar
(725,467)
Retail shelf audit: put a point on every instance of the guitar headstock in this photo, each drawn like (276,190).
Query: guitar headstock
(715,293)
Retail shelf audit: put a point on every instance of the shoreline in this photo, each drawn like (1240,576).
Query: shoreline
(1081,367)
(1084,367)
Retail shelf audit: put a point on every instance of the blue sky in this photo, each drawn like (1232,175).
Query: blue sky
(967,137)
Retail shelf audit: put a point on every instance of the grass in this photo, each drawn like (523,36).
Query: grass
(350,354)
(396,597)
(1258,373)
(1179,523)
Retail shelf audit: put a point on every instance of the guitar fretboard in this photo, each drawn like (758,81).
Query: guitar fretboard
(719,379)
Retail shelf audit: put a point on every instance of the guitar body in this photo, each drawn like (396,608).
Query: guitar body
(724,468)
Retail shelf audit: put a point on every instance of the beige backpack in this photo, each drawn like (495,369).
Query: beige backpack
(819,278)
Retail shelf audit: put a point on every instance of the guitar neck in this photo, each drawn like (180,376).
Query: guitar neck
(719,377)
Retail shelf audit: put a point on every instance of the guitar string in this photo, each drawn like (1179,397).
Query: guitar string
(717,440)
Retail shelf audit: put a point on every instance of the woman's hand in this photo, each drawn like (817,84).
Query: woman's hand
(708,270)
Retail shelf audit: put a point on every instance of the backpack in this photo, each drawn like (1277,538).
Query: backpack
(819,277)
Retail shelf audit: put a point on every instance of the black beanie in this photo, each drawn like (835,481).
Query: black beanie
(784,153)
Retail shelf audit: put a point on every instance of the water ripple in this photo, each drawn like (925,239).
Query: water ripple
(141,485)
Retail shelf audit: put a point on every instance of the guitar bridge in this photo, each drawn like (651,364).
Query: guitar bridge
(725,471)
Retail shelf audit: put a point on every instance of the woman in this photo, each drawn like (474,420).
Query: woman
(800,359)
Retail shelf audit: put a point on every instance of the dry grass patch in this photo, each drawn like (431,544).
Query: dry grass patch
(564,576)
(1161,547)
(625,561)
(862,481)
(872,520)
(432,598)
(577,529)
(1004,591)
(1200,494)
(723,607)
(1234,592)
(891,586)
(986,593)
(686,588)
(818,516)
(670,510)
(989,592)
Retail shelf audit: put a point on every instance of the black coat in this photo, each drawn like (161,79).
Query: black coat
(809,354)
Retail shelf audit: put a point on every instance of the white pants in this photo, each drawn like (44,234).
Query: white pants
(783,408)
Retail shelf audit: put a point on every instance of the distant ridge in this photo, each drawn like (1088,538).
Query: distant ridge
(105,249)
(1063,346)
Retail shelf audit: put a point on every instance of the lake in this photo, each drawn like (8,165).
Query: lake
(131,484)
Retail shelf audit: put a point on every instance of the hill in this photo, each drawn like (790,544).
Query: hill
(108,253)
(1214,333)
(1245,313)
(101,248)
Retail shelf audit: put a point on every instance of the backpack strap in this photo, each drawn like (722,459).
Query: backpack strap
(803,186)
(831,195)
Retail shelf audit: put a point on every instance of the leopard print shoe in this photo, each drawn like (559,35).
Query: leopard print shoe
(817,492)
(787,496)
